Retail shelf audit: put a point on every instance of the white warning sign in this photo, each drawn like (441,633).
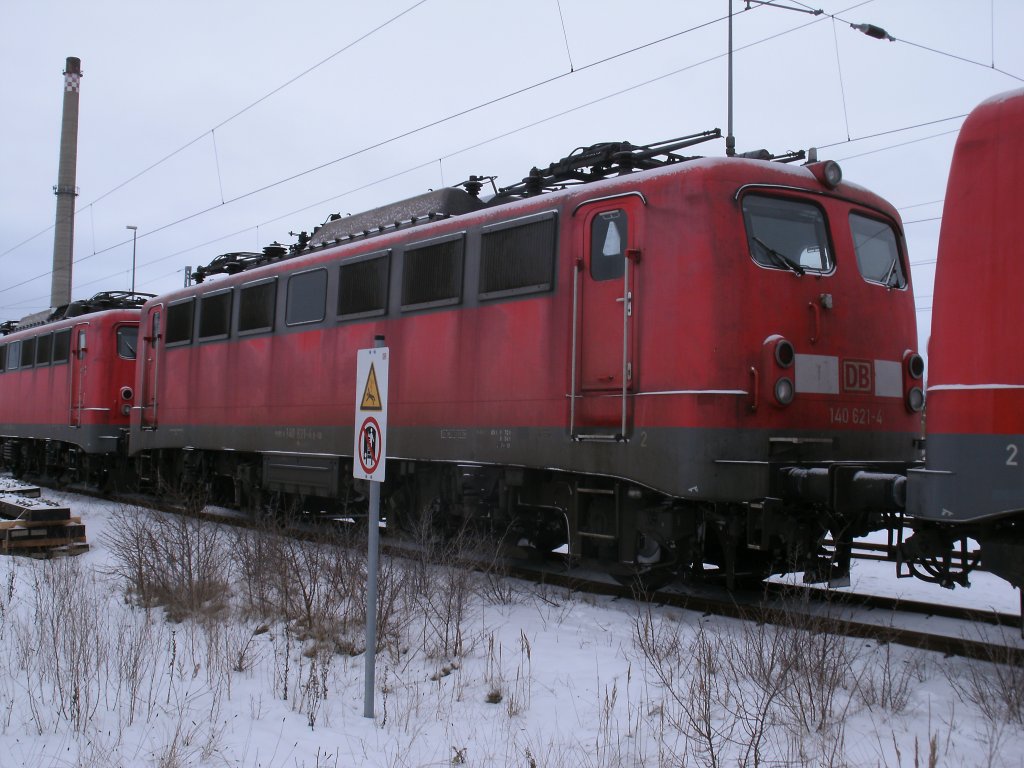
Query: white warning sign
(371,422)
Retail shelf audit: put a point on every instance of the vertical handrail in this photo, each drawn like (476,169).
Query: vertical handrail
(77,383)
(630,255)
(72,371)
(815,321)
(625,337)
(151,372)
(575,314)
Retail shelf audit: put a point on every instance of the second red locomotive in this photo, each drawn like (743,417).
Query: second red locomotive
(66,389)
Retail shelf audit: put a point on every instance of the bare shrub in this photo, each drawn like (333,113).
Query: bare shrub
(136,665)
(443,588)
(888,683)
(70,638)
(318,587)
(708,693)
(819,662)
(312,689)
(766,693)
(697,708)
(515,688)
(759,658)
(176,561)
(243,650)
(996,688)
(256,555)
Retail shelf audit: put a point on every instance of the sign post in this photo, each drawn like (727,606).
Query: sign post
(368,459)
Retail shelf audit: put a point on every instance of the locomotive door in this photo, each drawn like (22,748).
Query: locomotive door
(604,296)
(77,372)
(150,367)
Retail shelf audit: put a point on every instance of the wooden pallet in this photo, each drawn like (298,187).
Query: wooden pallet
(8,485)
(30,524)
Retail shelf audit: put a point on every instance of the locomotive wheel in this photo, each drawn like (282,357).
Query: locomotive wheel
(646,579)
(655,565)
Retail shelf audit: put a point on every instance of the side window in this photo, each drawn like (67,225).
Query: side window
(432,274)
(28,353)
(127,341)
(13,355)
(307,297)
(256,306)
(878,254)
(44,349)
(787,234)
(518,259)
(609,238)
(3,358)
(215,315)
(363,287)
(179,322)
(62,346)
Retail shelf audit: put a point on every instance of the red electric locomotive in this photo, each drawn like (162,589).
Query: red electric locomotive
(671,363)
(973,484)
(66,389)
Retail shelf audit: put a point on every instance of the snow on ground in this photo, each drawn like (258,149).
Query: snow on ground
(532,676)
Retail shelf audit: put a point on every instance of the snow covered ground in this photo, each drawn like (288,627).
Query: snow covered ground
(266,670)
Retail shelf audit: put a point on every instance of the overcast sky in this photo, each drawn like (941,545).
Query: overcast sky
(183,80)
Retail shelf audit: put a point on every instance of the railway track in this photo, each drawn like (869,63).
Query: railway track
(946,629)
(949,630)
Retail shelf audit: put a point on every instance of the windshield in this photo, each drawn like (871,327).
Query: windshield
(127,337)
(878,255)
(787,234)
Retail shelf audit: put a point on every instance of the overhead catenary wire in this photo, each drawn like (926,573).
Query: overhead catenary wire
(941,52)
(502,135)
(224,122)
(565,35)
(488,103)
(420,166)
(266,96)
(435,123)
(842,87)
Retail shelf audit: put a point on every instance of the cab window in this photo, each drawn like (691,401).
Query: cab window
(878,252)
(609,238)
(127,339)
(786,234)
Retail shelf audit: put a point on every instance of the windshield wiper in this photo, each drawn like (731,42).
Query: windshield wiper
(780,258)
(892,277)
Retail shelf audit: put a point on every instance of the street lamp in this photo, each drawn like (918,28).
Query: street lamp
(134,229)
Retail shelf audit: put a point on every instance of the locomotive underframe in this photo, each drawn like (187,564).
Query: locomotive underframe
(947,554)
(61,463)
(635,532)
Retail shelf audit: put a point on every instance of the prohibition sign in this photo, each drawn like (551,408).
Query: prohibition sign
(369,445)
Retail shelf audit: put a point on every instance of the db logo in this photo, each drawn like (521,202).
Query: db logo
(858,376)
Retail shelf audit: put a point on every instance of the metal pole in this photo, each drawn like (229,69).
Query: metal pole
(134,230)
(730,140)
(372,566)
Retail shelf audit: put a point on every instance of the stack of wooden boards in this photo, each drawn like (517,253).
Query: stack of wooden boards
(30,524)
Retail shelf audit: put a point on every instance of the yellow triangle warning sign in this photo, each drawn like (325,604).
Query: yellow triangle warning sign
(371,394)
